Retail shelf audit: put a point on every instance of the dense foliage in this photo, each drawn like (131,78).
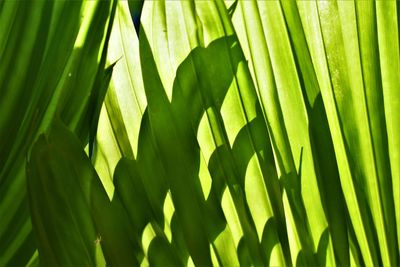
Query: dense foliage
(204,133)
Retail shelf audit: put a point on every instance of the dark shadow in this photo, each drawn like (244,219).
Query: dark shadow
(303,258)
(354,246)
(216,219)
(291,183)
(135,9)
(322,247)
(244,254)
(178,240)
(169,156)
(321,144)
(161,253)
(328,180)
(269,238)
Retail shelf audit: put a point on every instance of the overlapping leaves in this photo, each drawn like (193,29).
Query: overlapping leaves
(260,134)
(52,65)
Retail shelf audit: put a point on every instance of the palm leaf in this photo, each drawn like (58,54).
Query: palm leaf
(38,84)
(231,133)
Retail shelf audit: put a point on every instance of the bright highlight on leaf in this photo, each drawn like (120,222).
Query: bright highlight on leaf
(199,133)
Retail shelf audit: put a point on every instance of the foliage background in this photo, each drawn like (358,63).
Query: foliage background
(215,133)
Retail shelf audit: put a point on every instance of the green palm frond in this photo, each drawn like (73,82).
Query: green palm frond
(229,133)
(49,68)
